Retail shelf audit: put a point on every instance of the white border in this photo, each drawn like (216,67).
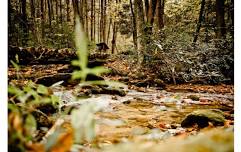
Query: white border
(237,76)
(3,78)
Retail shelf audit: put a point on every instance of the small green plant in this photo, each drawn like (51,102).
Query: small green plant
(82,61)
(82,119)
(21,122)
(32,94)
(82,53)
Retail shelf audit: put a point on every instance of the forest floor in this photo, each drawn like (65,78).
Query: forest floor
(147,114)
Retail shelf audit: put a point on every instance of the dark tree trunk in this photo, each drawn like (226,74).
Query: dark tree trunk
(160,13)
(151,12)
(199,21)
(32,7)
(114,38)
(52,9)
(49,13)
(60,11)
(86,18)
(108,34)
(138,10)
(67,11)
(42,18)
(94,22)
(24,23)
(146,8)
(134,28)
(104,21)
(91,20)
(221,29)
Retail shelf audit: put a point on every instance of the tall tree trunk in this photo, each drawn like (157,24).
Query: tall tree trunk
(232,18)
(76,9)
(221,29)
(160,13)
(67,11)
(199,21)
(108,33)
(94,21)
(138,8)
(24,23)
(91,20)
(42,18)
(100,21)
(32,7)
(113,41)
(134,28)
(57,10)
(146,8)
(60,12)
(104,21)
(49,13)
(151,14)
(33,25)
(52,9)
(86,18)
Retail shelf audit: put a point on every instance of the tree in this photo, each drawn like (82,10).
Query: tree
(160,13)
(220,21)
(199,21)
(134,28)
(67,11)
(138,9)
(24,23)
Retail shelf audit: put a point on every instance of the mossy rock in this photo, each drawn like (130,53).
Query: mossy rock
(193,97)
(202,117)
(214,140)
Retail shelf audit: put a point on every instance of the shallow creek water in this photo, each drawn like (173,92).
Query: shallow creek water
(145,115)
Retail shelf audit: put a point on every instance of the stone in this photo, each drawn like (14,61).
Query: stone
(203,117)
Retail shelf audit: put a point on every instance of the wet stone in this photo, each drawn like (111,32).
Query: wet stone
(203,117)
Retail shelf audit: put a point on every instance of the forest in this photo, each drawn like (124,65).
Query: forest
(121,75)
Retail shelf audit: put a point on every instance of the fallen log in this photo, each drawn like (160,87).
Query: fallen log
(40,55)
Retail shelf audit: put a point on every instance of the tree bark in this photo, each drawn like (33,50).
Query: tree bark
(160,13)
(67,11)
(32,7)
(42,18)
(24,23)
(49,13)
(146,8)
(221,29)
(199,21)
(91,20)
(150,21)
(113,42)
(134,28)
(86,18)
(138,10)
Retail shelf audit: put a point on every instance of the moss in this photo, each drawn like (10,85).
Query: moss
(202,117)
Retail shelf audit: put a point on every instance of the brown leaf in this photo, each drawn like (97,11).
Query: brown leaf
(64,143)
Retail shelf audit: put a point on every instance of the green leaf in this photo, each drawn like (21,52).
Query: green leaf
(15,65)
(13,108)
(99,70)
(81,44)
(78,75)
(76,63)
(55,99)
(14,90)
(42,89)
(30,123)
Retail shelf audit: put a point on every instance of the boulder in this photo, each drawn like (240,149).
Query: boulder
(203,117)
